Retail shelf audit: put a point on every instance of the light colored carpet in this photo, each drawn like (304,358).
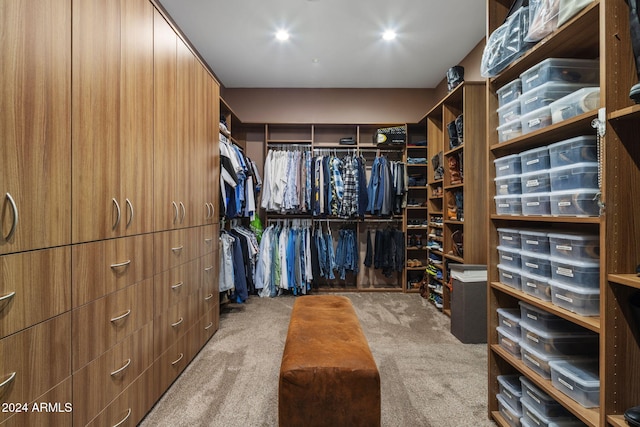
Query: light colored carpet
(428,378)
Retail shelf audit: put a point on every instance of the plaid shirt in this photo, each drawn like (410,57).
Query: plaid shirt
(349,206)
(337,184)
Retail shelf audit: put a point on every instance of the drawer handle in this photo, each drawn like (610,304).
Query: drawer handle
(130,208)
(115,225)
(177,248)
(177,285)
(208,269)
(126,417)
(115,319)
(173,325)
(121,264)
(7,296)
(206,328)
(179,359)
(175,212)
(117,371)
(14,223)
(208,241)
(8,380)
(208,297)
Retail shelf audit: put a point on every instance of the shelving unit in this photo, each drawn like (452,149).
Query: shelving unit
(445,224)
(599,31)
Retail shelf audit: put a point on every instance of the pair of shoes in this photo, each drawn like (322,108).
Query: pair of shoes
(435,258)
(414,263)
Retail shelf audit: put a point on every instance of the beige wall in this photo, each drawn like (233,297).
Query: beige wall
(355,106)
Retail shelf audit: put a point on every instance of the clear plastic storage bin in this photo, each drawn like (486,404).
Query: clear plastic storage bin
(535,120)
(509,92)
(541,401)
(578,379)
(574,150)
(538,361)
(509,131)
(541,319)
(568,70)
(535,263)
(509,237)
(510,415)
(509,257)
(577,175)
(577,299)
(509,184)
(509,342)
(511,390)
(535,159)
(509,112)
(535,285)
(509,319)
(508,205)
(534,241)
(559,342)
(584,273)
(581,202)
(510,276)
(544,95)
(531,417)
(574,104)
(535,182)
(507,165)
(536,204)
(579,247)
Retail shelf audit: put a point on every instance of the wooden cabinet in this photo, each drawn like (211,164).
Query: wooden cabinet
(35,125)
(456,184)
(112,92)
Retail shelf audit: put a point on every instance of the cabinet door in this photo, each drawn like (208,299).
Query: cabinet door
(165,149)
(187,146)
(199,173)
(35,124)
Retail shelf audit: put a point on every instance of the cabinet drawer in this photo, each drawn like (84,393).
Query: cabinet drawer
(209,238)
(172,324)
(35,286)
(99,382)
(172,248)
(207,301)
(101,268)
(176,284)
(170,364)
(35,360)
(54,409)
(207,326)
(210,266)
(101,324)
(128,409)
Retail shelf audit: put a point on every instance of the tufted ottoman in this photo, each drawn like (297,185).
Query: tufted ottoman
(328,376)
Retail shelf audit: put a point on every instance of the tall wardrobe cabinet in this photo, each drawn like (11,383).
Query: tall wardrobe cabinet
(108,218)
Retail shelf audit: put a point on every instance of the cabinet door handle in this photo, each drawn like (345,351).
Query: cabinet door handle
(208,297)
(179,359)
(206,328)
(208,269)
(126,417)
(117,371)
(208,241)
(121,264)
(130,209)
(177,248)
(177,285)
(184,212)
(8,380)
(122,316)
(175,212)
(115,202)
(7,296)
(208,211)
(213,210)
(14,223)
(173,325)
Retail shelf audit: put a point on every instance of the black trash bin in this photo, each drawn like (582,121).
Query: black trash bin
(469,303)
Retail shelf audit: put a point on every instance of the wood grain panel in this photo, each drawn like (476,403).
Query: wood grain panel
(186,135)
(99,382)
(170,364)
(176,284)
(41,281)
(94,331)
(170,325)
(172,248)
(56,413)
(39,356)
(35,124)
(103,267)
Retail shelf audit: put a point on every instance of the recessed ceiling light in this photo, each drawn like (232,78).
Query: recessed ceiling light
(389,35)
(315,60)
(282,35)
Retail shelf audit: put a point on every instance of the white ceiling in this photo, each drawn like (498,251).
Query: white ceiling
(236,38)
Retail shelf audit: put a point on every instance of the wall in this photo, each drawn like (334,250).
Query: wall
(356,106)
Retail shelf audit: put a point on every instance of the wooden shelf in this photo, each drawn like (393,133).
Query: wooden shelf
(499,419)
(589,416)
(591,323)
(627,113)
(631,280)
(617,421)
(454,258)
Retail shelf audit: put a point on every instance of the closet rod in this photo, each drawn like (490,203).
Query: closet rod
(377,150)
(288,145)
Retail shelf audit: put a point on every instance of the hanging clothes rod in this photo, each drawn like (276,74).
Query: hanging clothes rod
(289,145)
(378,150)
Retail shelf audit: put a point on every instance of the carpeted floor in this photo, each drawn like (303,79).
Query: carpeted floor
(428,378)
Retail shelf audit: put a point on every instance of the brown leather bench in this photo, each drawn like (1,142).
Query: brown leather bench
(328,376)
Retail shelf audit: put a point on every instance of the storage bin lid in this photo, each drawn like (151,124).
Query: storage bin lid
(502,331)
(539,112)
(584,191)
(516,124)
(533,413)
(506,87)
(533,233)
(508,407)
(563,62)
(509,105)
(507,196)
(574,96)
(537,255)
(506,158)
(534,173)
(585,165)
(534,151)
(515,251)
(574,289)
(584,371)
(579,335)
(546,357)
(512,314)
(508,230)
(574,263)
(507,177)
(543,396)
(535,277)
(511,383)
(509,269)
(588,140)
(541,195)
(573,236)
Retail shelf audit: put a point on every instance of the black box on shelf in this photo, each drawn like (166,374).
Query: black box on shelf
(395,135)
